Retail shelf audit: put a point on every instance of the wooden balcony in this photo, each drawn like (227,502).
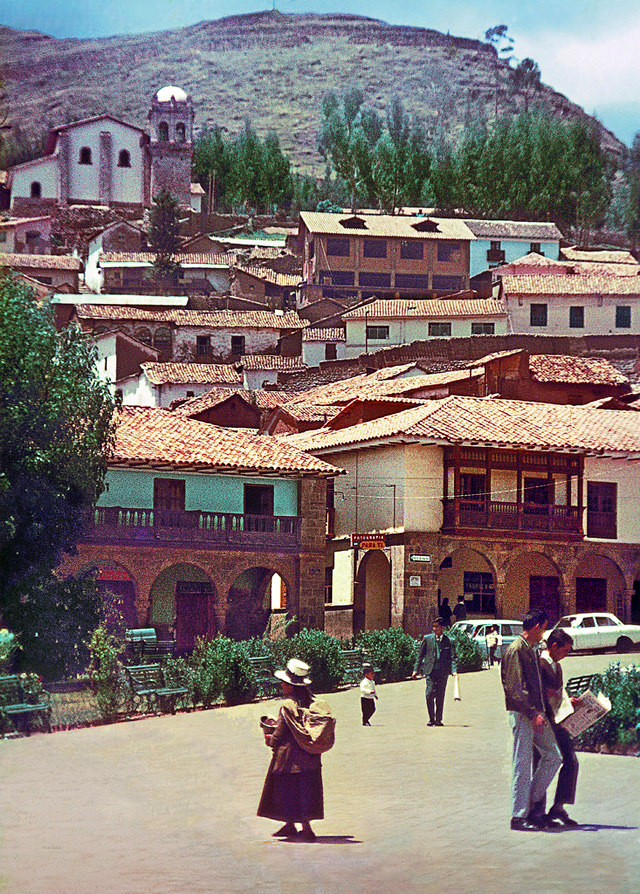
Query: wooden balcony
(463,514)
(199,530)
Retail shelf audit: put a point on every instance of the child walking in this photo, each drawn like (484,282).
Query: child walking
(368,695)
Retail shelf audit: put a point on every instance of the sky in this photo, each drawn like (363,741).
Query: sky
(586,49)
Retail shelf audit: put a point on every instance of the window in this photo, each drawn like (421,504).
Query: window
(576,317)
(338,248)
(483,328)
(237,345)
(191,394)
(446,283)
(258,499)
(203,344)
(124,159)
(312,250)
(377,280)
(377,333)
(539,491)
(3,236)
(495,245)
(331,352)
(143,335)
(85,156)
(36,190)
(162,338)
(439,329)
(601,510)
(473,486)
(374,248)
(337,278)
(32,236)
(169,494)
(479,592)
(412,281)
(181,134)
(45,280)
(538,315)
(448,251)
(328,585)
(623,316)
(163,132)
(535,247)
(411,250)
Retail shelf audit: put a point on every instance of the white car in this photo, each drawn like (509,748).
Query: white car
(477,629)
(599,630)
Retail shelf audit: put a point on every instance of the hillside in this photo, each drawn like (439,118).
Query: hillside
(268,67)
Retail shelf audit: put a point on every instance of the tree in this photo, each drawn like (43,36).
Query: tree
(163,234)
(56,432)
(211,165)
(502,42)
(526,78)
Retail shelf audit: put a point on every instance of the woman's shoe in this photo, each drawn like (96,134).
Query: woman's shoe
(287,831)
(307,835)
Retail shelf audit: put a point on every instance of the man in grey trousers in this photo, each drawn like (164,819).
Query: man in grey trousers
(526,704)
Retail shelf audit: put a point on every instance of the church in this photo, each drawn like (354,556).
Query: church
(105,161)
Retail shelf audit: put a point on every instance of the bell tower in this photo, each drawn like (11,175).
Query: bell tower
(171,143)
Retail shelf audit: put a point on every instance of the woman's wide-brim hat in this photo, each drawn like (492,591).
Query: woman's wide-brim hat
(296,673)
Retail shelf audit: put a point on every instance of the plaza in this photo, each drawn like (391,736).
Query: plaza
(168,804)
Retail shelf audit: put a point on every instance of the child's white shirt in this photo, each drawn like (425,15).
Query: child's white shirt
(367,688)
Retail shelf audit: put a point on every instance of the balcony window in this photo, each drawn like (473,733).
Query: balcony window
(411,250)
(439,329)
(377,333)
(538,315)
(374,248)
(448,251)
(576,317)
(602,510)
(169,494)
(538,491)
(258,499)
(338,248)
(623,316)
(483,328)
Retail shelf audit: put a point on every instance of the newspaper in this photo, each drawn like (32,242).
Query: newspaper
(586,711)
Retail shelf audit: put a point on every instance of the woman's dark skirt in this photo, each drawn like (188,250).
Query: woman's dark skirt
(292,797)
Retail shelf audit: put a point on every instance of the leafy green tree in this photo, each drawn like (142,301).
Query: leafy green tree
(56,432)
(211,165)
(164,237)
(526,78)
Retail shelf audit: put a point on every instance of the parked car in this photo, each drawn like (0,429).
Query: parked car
(599,630)
(477,629)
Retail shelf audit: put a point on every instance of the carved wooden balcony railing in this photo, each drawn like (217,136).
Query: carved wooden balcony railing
(467,513)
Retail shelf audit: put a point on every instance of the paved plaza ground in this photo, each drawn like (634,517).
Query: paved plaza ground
(168,804)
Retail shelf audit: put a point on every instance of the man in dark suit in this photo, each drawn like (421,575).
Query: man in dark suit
(438,656)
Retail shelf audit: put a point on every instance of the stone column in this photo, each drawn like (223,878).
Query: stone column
(313,512)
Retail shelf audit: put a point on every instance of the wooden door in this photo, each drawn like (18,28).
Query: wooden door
(192,613)
(544,594)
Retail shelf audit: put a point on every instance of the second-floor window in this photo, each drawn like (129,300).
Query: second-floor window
(538,315)
(576,317)
(258,499)
(124,159)
(377,333)
(536,247)
(203,344)
(623,316)
(602,500)
(411,250)
(448,251)
(338,248)
(374,248)
(169,494)
(439,329)
(85,156)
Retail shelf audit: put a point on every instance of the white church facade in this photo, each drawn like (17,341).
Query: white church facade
(105,161)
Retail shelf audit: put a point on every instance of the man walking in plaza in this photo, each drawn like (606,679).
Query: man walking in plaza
(526,704)
(437,654)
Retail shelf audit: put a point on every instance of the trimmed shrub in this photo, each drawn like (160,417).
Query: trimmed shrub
(220,667)
(392,651)
(468,653)
(321,652)
(621,726)
(205,674)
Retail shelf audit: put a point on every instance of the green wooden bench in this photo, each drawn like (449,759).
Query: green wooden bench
(143,646)
(268,685)
(354,661)
(577,685)
(147,689)
(15,704)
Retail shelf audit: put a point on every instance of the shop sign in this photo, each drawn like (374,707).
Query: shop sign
(369,541)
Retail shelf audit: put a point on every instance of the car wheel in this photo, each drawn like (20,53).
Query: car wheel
(624,644)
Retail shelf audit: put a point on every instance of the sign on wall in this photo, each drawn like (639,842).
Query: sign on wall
(369,541)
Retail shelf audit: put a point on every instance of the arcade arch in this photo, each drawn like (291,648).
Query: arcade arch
(372,597)
(253,595)
(183,601)
(598,586)
(533,581)
(469,573)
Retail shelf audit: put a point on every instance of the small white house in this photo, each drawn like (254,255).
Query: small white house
(159,384)
(323,344)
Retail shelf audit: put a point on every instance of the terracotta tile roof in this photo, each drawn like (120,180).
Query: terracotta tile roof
(401,308)
(145,258)
(192,373)
(570,284)
(21,221)
(270,361)
(328,335)
(285,280)
(514,229)
(40,262)
(263,400)
(493,422)
(615,256)
(561,368)
(148,435)
(400,226)
(220,319)
(303,412)
(534,263)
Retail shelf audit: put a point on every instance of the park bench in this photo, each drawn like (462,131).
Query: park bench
(577,685)
(268,685)
(354,661)
(143,646)
(147,689)
(15,704)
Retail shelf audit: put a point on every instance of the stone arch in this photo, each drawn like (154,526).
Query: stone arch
(598,584)
(163,132)
(117,585)
(467,572)
(182,603)
(253,594)
(35,190)
(124,158)
(372,597)
(533,580)
(181,132)
(84,157)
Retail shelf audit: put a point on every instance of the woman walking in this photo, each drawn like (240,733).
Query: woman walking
(292,791)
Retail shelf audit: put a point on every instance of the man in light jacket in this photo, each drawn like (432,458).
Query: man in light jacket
(525,701)
(438,655)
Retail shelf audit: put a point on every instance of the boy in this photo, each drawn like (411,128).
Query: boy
(368,695)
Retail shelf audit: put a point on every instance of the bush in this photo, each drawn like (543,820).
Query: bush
(321,652)
(467,650)
(621,726)
(8,647)
(392,650)
(205,676)
(105,671)
(220,667)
